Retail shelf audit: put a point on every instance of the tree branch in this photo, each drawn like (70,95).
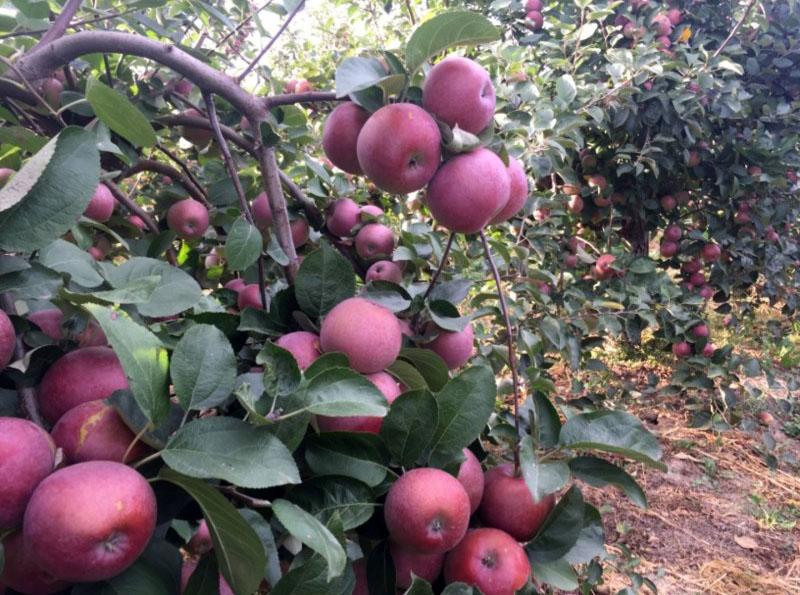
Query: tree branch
(512,358)
(735,29)
(59,26)
(238,28)
(310,97)
(197,122)
(182,164)
(43,61)
(261,54)
(309,207)
(165,170)
(237,184)
(91,21)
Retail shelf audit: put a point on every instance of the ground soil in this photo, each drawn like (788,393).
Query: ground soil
(720,521)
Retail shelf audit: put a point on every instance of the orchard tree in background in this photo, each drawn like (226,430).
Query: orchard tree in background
(259,287)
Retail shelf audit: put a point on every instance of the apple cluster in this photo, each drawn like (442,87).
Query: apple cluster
(398,148)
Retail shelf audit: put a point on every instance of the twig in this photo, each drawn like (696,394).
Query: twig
(91,21)
(439,269)
(411,14)
(198,122)
(249,500)
(165,170)
(237,184)
(59,26)
(184,99)
(309,97)
(108,70)
(238,28)
(735,29)
(271,41)
(182,164)
(312,212)
(512,360)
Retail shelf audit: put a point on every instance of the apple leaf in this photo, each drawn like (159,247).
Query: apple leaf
(447,30)
(119,114)
(410,426)
(203,367)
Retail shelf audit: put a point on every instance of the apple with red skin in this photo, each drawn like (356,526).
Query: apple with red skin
(518,191)
(250,297)
(427,511)
(541,214)
(262,212)
(674,16)
(200,543)
(469,190)
(669,249)
(711,252)
(489,559)
(101,206)
(708,350)
(534,5)
(49,322)
(369,213)
(8,340)
(51,91)
(575,204)
(236,284)
(673,233)
(86,374)
(360,570)
(94,431)
(188,218)
(509,505)
(406,562)
(300,231)
(21,574)
(5,175)
(302,86)
(697,279)
(459,92)
(303,345)
(706,292)
(367,333)
(693,159)
(771,235)
(385,270)
(603,266)
(187,570)
(199,137)
(601,201)
(343,215)
(454,347)
(681,349)
(668,202)
(75,541)
(661,24)
(692,266)
(664,42)
(570,261)
(340,136)
(136,222)
(399,148)
(27,456)
(391,389)
(535,20)
(374,240)
(184,87)
(470,474)
(700,330)
(588,160)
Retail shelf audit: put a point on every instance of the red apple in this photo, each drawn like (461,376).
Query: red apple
(90,521)
(399,148)
(250,297)
(27,456)
(575,204)
(534,5)
(385,270)
(94,431)
(51,91)
(370,212)
(236,284)
(669,249)
(700,330)
(489,559)
(668,202)
(188,218)
(681,349)
(343,215)
(469,190)
(470,474)
(535,20)
(21,573)
(200,543)
(509,505)
(49,322)
(137,222)
(711,252)
(5,175)
(86,374)
(367,333)
(706,292)
(8,340)
(262,212)
(454,347)
(518,191)
(101,206)
(391,389)
(459,92)
(374,240)
(708,350)
(340,136)
(406,562)
(427,511)
(304,346)
(300,231)
(187,570)
(199,137)
(673,232)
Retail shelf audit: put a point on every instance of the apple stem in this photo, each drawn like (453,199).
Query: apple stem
(147,459)
(249,500)
(512,359)
(436,273)
(237,184)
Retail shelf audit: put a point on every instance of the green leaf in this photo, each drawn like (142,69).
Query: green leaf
(341,392)
(176,292)
(591,541)
(356,74)
(381,574)
(22,138)
(464,405)
(205,578)
(239,552)
(558,574)
(419,586)
(65,257)
(45,198)
(264,532)
(119,114)
(541,478)
(357,455)
(325,496)
(429,364)
(156,572)
(410,425)
(35,282)
(611,431)
(560,530)
(324,279)
(598,473)
(231,449)
(310,578)
(549,422)
(566,89)
(447,30)
(142,356)
(203,368)
(407,375)
(326,361)
(243,246)
(312,533)
(281,373)
(446,316)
